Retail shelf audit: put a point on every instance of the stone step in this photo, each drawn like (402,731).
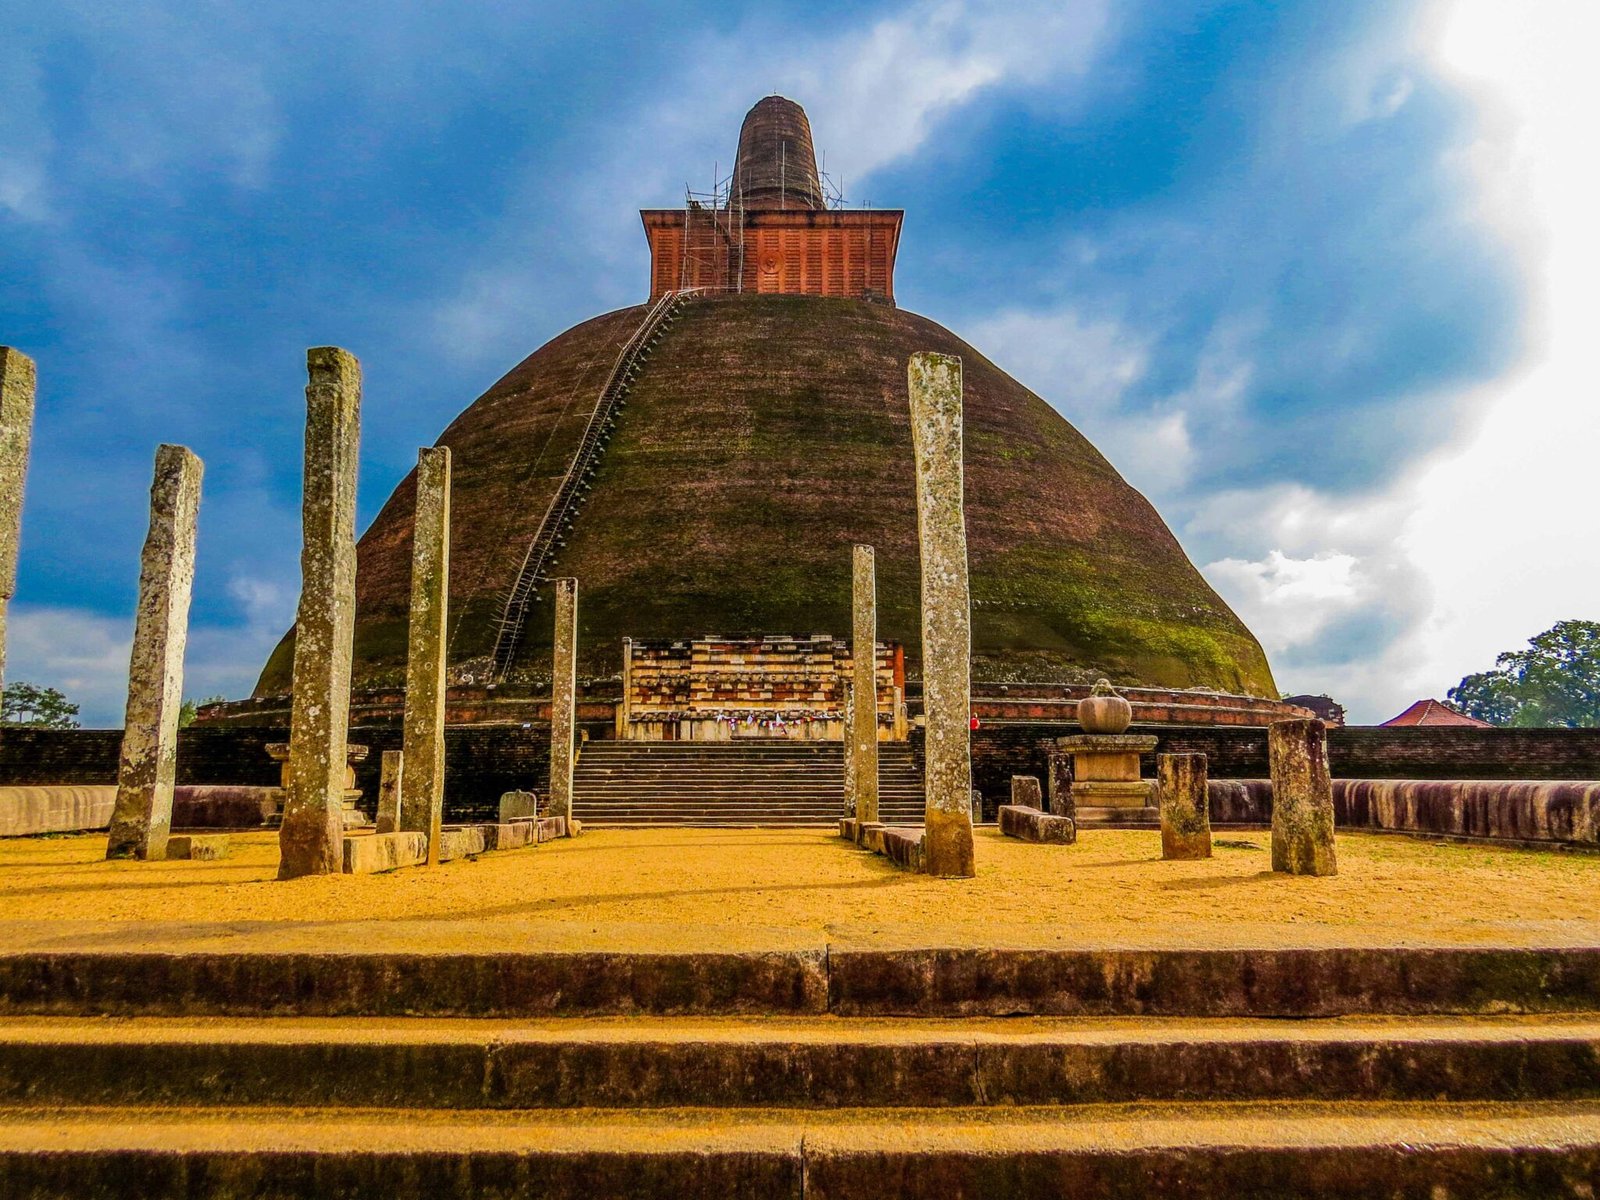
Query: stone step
(469,970)
(786,1062)
(1464,1152)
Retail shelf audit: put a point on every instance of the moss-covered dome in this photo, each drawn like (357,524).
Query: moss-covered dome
(764,437)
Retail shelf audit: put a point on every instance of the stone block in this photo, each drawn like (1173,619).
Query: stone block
(459,841)
(198,847)
(515,806)
(1184,798)
(903,847)
(1032,825)
(368,854)
(551,828)
(1302,798)
(1025,792)
(391,776)
(508,835)
(48,808)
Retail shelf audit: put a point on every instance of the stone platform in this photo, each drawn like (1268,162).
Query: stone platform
(766,1012)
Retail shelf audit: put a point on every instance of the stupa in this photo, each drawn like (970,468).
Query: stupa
(704,461)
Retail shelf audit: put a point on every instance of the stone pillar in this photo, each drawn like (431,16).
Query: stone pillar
(392,771)
(1025,792)
(142,818)
(935,386)
(311,839)
(1302,798)
(422,785)
(17,382)
(1185,805)
(864,682)
(624,708)
(849,746)
(563,698)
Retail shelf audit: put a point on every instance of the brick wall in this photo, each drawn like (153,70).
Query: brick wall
(481,761)
(1000,751)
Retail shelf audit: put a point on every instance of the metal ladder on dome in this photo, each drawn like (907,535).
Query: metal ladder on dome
(564,504)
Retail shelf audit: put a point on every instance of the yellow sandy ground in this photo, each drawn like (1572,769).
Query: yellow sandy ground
(709,889)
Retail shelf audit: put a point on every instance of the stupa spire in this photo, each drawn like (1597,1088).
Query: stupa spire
(776,166)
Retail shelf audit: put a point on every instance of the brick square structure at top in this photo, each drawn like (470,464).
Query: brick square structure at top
(772,232)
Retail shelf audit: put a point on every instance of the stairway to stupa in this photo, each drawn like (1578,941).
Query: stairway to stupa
(498,1071)
(741,783)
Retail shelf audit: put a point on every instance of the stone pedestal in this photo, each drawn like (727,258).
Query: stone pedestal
(350,814)
(1106,787)
(1302,798)
(934,383)
(17,382)
(864,683)
(1184,798)
(311,837)
(422,785)
(564,698)
(147,767)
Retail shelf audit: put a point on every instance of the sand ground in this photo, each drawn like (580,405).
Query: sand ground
(784,888)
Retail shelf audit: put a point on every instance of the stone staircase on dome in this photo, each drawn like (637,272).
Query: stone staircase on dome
(746,783)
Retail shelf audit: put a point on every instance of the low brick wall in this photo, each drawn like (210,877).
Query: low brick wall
(481,761)
(1558,811)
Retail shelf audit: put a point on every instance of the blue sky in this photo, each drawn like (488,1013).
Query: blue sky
(1290,265)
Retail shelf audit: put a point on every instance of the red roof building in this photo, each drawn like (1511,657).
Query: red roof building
(1435,713)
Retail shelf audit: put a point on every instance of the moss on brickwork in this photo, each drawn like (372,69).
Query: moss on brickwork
(766,436)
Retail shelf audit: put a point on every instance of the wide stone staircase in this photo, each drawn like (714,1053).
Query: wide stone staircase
(766,782)
(228,1065)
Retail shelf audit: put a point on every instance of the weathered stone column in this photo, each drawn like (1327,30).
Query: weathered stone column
(849,746)
(391,773)
(935,386)
(563,698)
(311,839)
(17,382)
(422,783)
(1302,798)
(142,818)
(864,682)
(1185,805)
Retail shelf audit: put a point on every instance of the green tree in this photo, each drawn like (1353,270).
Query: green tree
(29,704)
(190,709)
(1555,682)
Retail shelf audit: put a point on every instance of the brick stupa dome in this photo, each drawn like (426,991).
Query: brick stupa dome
(766,434)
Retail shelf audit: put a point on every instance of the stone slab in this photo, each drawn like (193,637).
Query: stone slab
(516,805)
(509,835)
(225,806)
(372,853)
(1026,792)
(1029,824)
(551,828)
(198,847)
(904,847)
(25,811)
(460,841)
